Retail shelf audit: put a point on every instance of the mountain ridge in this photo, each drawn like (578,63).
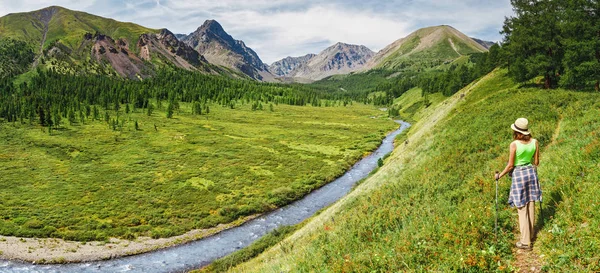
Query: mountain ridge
(286,65)
(81,43)
(340,58)
(218,47)
(63,37)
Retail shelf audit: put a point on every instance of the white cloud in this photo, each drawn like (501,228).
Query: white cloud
(300,32)
(12,6)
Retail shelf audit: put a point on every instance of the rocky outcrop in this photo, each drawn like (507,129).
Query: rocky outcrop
(218,47)
(105,49)
(163,45)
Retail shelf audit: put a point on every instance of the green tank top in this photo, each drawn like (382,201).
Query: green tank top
(524,153)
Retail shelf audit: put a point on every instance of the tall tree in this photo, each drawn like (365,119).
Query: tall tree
(170,110)
(582,44)
(533,41)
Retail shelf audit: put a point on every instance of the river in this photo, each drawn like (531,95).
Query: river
(199,253)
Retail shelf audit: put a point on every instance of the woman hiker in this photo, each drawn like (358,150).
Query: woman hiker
(525,189)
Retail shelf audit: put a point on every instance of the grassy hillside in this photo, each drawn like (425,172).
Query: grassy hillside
(88,182)
(72,42)
(22,26)
(431,206)
(65,26)
(426,48)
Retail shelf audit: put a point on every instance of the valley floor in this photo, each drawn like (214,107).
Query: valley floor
(93,193)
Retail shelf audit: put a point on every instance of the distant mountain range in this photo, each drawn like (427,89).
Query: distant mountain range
(486,44)
(288,65)
(81,43)
(337,59)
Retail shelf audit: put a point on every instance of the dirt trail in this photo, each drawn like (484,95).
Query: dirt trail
(530,260)
(527,261)
(556,132)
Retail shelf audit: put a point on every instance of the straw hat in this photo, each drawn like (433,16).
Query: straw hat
(521,125)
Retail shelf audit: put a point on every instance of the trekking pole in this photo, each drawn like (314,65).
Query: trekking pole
(542,209)
(496,227)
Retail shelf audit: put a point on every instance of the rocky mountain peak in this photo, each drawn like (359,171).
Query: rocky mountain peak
(288,64)
(218,47)
(46,14)
(340,58)
(214,29)
(212,25)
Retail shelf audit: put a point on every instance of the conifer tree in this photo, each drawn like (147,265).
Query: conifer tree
(581,27)
(150,109)
(170,110)
(42,116)
(96,113)
(533,40)
(71,117)
(48,117)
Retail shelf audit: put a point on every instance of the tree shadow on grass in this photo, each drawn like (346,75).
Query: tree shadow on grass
(530,85)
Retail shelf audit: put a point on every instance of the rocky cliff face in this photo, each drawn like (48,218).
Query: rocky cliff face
(163,46)
(218,47)
(337,59)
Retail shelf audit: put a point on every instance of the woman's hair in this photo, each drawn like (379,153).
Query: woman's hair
(519,136)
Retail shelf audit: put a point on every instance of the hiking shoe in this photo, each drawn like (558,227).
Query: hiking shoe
(522,246)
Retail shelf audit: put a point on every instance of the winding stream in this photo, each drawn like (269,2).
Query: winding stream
(202,252)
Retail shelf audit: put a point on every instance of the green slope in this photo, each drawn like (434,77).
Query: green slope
(426,48)
(65,26)
(431,206)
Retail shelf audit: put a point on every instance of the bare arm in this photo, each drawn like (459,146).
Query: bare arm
(536,157)
(511,161)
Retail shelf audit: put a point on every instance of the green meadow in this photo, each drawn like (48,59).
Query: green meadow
(91,181)
(430,208)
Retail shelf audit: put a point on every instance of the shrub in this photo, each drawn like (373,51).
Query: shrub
(34,224)
(281,196)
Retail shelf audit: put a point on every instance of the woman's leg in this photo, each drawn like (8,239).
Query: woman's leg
(531,219)
(526,222)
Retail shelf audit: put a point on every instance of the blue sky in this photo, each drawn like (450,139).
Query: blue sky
(279,28)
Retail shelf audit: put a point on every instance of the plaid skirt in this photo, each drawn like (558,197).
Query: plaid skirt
(525,186)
